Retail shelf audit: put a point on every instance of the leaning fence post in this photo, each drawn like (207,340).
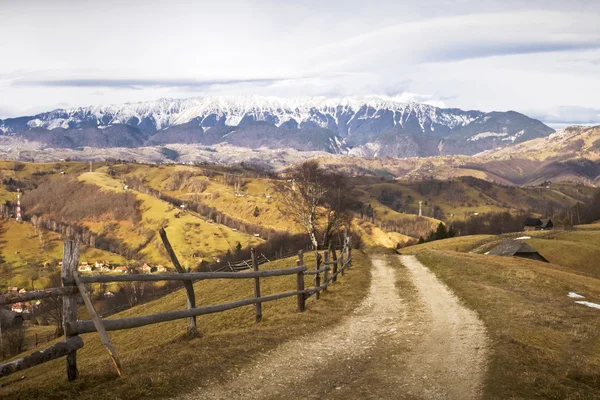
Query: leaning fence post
(326,273)
(70,262)
(301,298)
(317,275)
(189,287)
(258,306)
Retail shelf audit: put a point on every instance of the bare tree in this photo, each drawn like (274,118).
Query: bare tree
(316,200)
(336,208)
(133,291)
(13,340)
(52,307)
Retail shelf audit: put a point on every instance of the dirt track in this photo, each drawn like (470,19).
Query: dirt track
(425,346)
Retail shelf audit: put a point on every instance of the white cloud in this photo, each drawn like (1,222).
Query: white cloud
(541,55)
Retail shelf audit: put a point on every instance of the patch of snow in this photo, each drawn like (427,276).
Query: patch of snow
(575,295)
(523,238)
(231,109)
(486,135)
(589,304)
(34,123)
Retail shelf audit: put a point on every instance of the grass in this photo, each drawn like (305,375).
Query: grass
(583,256)
(24,255)
(191,236)
(160,362)
(543,344)
(460,243)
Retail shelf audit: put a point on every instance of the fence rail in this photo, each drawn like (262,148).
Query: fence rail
(327,264)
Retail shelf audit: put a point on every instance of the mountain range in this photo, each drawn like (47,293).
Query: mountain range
(365,127)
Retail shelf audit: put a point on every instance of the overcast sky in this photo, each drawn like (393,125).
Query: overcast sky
(541,58)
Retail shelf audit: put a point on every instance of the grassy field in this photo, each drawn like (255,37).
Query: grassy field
(543,344)
(160,362)
(460,243)
(193,238)
(24,253)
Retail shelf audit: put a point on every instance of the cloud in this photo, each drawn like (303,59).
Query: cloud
(133,83)
(466,51)
(568,115)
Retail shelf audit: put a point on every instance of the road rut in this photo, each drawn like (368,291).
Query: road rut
(387,348)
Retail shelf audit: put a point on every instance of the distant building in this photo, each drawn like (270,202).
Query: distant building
(84,268)
(161,268)
(146,269)
(21,308)
(121,269)
(538,224)
(516,248)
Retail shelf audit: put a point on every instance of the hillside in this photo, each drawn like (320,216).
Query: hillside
(160,362)
(25,251)
(236,195)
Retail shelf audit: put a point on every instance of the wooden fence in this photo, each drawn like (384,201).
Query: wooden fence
(328,267)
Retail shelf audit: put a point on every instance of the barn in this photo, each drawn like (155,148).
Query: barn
(538,224)
(516,248)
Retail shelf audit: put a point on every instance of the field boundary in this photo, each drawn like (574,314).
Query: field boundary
(328,266)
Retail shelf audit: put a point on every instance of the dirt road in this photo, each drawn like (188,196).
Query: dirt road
(424,345)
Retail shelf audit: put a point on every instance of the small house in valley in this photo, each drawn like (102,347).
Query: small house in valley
(84,268)
(146,269)
(538,224)
(161,268)
(516,248)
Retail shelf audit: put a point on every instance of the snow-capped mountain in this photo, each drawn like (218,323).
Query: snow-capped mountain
(368,126)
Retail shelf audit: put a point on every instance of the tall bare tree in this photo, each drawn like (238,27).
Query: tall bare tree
(314,199)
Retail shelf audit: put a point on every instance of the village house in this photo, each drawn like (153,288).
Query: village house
(121,269)
(104,268)
(161,268)
(22,308)
(99,264)
(538,224)
(12,289)
(146,269)
(85,267)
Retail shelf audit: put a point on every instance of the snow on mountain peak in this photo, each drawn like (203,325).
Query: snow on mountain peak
(168,112)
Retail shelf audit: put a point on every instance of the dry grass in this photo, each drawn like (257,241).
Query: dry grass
(160,362)
(188,233)
(23,254)
(580,256)
(461,243)
(543,344)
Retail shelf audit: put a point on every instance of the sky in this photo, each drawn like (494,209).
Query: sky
(538,57)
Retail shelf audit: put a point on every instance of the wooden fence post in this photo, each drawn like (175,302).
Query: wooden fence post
(335,264)
(258,306)
(317,275)
(326,273)
(70,262)
(301,298)
(349,249)
(342,260)
(189,287)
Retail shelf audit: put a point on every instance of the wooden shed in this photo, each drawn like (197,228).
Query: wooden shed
(516,248)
